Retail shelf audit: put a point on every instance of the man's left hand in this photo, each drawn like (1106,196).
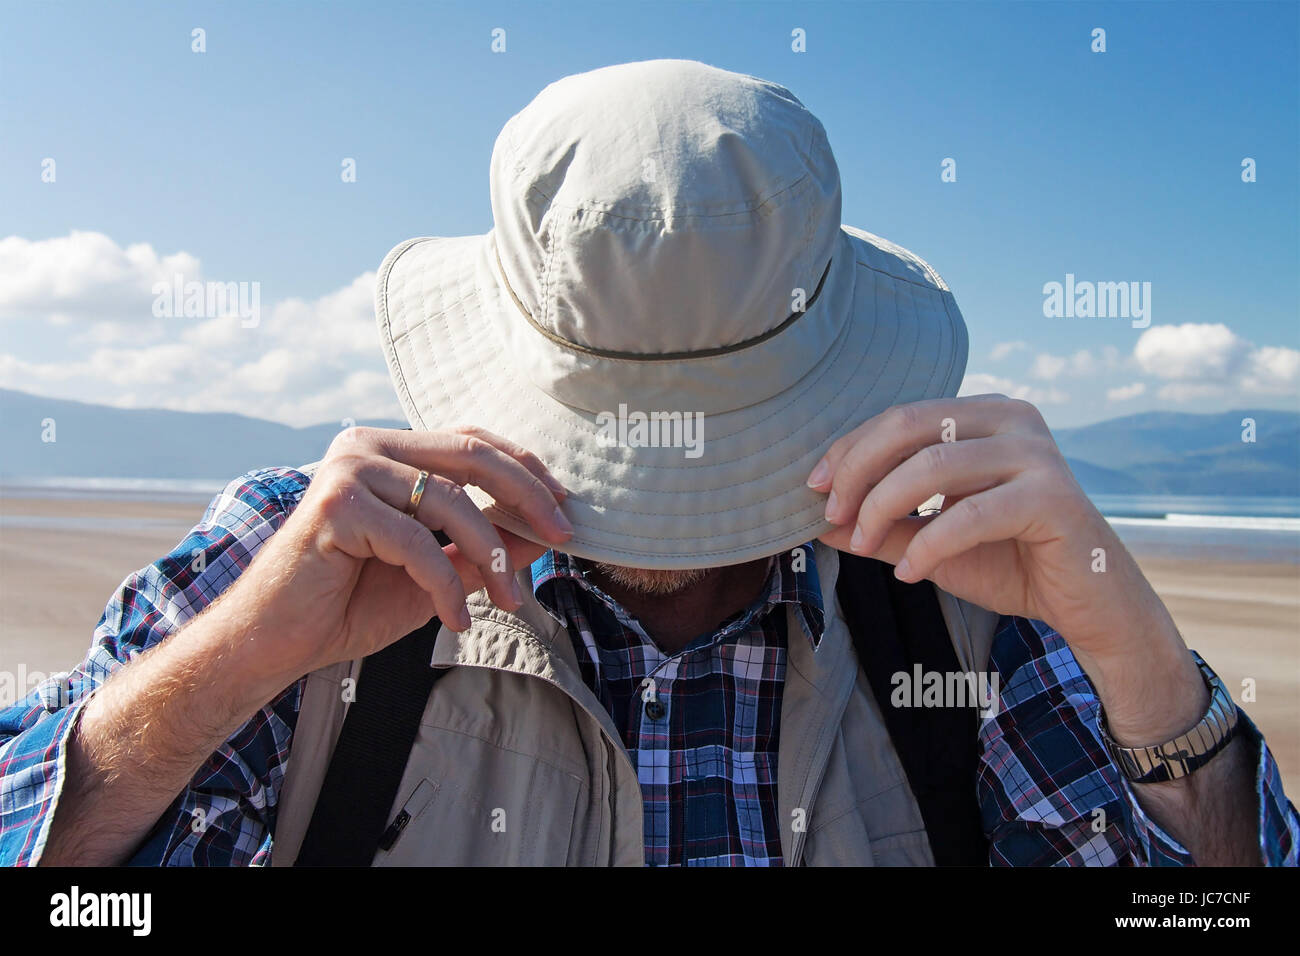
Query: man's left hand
(1016,535)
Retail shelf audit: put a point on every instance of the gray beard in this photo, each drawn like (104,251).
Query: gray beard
(645,581)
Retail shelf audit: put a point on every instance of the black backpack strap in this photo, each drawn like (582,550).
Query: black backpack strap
(370,756)
(896,626)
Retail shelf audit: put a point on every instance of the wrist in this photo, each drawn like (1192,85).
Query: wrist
(1154,691)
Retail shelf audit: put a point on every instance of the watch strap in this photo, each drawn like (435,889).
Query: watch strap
(1187,752)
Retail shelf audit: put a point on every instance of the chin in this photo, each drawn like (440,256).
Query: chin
(646,581)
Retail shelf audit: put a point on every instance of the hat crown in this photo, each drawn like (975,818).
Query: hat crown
(664,206)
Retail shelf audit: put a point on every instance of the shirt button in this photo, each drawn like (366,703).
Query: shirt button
(654,710)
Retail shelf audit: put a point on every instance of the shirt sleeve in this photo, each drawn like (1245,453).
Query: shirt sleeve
(1049,793)
(226,814)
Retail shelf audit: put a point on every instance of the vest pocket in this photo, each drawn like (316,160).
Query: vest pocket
(469,822)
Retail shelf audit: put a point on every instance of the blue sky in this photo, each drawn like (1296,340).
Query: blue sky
(1115,166)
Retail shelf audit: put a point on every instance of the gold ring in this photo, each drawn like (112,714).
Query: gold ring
(417,493)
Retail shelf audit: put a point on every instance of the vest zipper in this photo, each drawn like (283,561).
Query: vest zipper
(611,773)
(389,838)
(827,742)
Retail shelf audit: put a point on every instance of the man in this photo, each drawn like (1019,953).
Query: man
(659,412)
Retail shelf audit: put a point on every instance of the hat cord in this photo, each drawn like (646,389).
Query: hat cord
(659,356)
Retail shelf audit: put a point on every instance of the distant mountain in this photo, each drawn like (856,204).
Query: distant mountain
(1183,454)
(1151,453)
(1104,481)
(97,441)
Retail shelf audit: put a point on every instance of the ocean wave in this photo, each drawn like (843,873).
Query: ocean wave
(111,487)
(1233,522)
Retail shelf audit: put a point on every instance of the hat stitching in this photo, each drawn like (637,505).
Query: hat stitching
(533,400)
(638,357)
(809,227)
(390,347)
(849,416)
(701,356)
(907,256)
(956,351)
(884,272)
(776,199)
(548,229)
(796,393)
(715,551)
(704,514)
(738,208)
(581,453)
(646,537)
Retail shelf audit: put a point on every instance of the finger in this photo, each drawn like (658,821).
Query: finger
(951,468)
(371,528)
(994,515)
(522,553)
(471,460)
(877,446)
(520,454)
(444,506)
(890,550)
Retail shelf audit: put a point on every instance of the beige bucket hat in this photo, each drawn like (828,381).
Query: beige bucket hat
(668,312)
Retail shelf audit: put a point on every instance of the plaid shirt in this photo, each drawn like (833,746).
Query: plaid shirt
(1043,771)
(705,742)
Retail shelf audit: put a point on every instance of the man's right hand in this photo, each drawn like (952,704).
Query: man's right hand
(350,571)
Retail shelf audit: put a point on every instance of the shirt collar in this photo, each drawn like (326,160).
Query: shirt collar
(792,580)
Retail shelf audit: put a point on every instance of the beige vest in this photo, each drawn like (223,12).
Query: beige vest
(516,762)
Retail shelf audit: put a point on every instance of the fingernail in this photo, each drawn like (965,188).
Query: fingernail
(855,543)
(563,522)
(819,474)
(464,619)
(903,570)
(830,507)
(517,594)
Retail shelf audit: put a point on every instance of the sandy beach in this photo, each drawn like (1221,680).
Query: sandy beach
(1242,616)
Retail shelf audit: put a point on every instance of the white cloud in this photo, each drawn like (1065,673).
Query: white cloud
(1273,370)
(1081,363)
(1125,392)
(305,362)
(84,274)
(1191,352)
(1003,349)
(1048,366)
(1203,360)
(981,383)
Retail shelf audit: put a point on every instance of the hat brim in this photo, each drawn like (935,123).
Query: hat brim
(744,496)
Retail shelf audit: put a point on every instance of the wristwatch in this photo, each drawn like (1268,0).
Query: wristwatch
(1187,752)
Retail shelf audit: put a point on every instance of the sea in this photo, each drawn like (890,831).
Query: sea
(1232,528)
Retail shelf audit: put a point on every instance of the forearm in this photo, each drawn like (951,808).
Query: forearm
(1213,811)
(141,738)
